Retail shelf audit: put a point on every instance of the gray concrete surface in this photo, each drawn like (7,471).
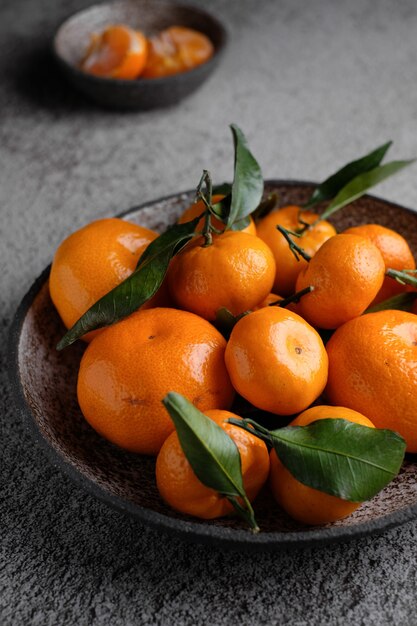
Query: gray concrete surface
(312,84)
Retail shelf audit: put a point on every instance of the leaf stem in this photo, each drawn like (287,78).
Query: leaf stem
(401,302)
(295,297)
(253,428)
(205,180)
(295,249)
(247,513)
(404,277)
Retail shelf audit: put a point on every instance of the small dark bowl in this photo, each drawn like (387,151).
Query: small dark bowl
(44,387)
(73,36)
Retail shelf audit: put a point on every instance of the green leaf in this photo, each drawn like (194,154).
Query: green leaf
(400,302)
(332,185)
(141,285)
(248,184)
(226,321)
(221,209)
(404,277)
(211,452)
(241,224)
(265,206)
(341,458)
(360,185)
(224,189)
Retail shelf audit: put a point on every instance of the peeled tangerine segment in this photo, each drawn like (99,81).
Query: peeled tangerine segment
(117,52)
(177,49)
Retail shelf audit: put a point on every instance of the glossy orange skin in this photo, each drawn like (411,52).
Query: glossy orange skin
(276,360)
(183,491)
(303,503)
(395,252)
(118,52)
(236,272)
(288,267)
(92,261)
(176,49)
(270,299)
(198,208)
(346,273)
(129,368)
(373,369)
(322,412)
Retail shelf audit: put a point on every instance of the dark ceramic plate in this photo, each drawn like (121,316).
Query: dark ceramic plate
(150,16)
(44,384)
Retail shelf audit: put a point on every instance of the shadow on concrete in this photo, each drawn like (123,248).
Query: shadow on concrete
(37,79)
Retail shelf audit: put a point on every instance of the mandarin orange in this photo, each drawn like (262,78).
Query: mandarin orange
(128,369)
(176,49)
(288,267)
(236,272)
(346,273)
(301,502)
(394,250)
(180,487)
(276,360)
(373,369)
(92,261)
(118,52)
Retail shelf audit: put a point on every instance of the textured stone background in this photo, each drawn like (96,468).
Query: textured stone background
(312,84)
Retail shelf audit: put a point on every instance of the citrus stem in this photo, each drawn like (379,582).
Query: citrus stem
(404,277)
(207,230)
(305,225)
(205,180)
(253,428)
(295,249)
(296,297)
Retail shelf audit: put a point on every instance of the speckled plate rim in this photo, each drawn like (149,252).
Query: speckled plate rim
(218,52)
(196,532)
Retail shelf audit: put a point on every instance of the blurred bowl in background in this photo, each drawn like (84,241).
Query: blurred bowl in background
(73,36)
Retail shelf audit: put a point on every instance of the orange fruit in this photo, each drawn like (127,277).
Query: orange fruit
(176,49)
(276,360)
(373,369)
(92,261)
(236,271)
(198,208)
(395,252)
(346,273)
(288,267)
(322,412)
(118,52)
(303,503)
(128,369)
(270,299)
(183,491)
